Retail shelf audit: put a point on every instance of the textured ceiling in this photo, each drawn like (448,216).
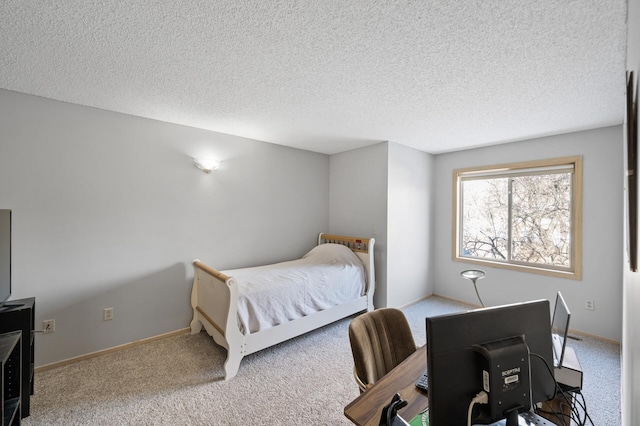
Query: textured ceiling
(329,75)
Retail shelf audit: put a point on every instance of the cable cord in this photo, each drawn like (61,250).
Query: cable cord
(575,416)
(551,373)
(396,404)
(583,405)
(530,381)
(481,398)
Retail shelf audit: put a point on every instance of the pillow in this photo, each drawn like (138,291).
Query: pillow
(333,253)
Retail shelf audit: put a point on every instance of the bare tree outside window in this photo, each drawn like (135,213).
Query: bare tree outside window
(485,218)
(542,219)
(521,215)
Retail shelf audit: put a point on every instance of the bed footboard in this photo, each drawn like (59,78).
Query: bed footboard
(214,299)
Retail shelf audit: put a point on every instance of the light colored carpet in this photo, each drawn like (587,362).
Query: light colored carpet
(307,380)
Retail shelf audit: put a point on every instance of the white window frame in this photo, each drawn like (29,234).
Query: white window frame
(525,168)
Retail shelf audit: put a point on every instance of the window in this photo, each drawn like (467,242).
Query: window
(524,216)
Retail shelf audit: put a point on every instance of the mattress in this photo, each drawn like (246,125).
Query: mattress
(327,276)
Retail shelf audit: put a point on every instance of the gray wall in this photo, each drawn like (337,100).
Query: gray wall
(405,196)
(5,252)
(109,211)
(602,227)
(358,203)
(386,191)
(631,311)
(411,195)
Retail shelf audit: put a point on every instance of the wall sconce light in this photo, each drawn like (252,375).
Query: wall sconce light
(206,164)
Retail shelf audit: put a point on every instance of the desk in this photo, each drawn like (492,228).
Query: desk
(366,409)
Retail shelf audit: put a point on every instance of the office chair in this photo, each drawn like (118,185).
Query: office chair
(380,340)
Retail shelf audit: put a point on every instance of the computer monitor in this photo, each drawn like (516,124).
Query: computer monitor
(559,329)
(457,346)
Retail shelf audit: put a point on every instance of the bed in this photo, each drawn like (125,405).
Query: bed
(247,310)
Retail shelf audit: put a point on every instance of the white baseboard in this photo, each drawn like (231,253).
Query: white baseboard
(110,350)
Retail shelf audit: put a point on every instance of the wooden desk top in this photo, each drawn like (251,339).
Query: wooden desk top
(366,409)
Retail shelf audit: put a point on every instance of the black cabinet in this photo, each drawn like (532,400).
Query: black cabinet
(19,315)
(10,377)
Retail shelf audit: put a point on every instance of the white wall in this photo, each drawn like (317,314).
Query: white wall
(109,211)
(411,195)
(386,191)
(602,250)
(630,391)
(358,203)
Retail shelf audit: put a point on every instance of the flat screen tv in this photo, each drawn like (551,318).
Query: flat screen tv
(458,347)
(5,255)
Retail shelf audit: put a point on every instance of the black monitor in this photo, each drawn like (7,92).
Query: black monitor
(460,346)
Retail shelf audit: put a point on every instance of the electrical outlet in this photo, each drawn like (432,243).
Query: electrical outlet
(590,305)
(107,314)
(48,326)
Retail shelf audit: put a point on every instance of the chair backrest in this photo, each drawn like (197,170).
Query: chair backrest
(380,340)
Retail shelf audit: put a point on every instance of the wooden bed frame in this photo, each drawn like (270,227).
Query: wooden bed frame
(214,299)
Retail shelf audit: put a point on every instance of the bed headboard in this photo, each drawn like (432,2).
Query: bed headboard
(363,248)
(354,243)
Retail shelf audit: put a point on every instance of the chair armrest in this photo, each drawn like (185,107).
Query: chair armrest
(361,385)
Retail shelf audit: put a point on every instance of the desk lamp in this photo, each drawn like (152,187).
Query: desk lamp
(474,275)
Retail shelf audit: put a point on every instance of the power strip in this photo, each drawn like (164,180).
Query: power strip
(526,419)
(532,419)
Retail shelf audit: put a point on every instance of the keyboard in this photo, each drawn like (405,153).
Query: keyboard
(423,381)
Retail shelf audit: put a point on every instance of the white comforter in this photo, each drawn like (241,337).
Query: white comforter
(329,275)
